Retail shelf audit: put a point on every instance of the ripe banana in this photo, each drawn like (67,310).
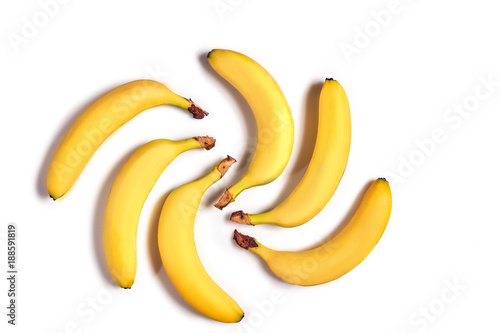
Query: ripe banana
(179,255)
(272,114)
(325,169)
(127,196)
(102,118)
(340,254)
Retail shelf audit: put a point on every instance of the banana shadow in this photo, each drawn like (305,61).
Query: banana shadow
(244,157)
(306,148)
(153,249)
(345,220)
(347,217)
(173,293)
(41,187)
(100,205)
(261,261)
(155,258)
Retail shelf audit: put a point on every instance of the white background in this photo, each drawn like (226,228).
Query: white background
(400,83)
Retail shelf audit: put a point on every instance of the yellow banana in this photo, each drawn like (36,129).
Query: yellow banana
(272,114)
(102,118)
(325,169)
(127,196)
(179,255)
(340,254)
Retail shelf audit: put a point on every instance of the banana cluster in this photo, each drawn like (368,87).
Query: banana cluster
(176,225)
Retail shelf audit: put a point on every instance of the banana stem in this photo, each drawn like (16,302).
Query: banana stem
(225,164)
(251,244)
(241,218)
(195,110)
(206,142)
(244,241)
(226,198)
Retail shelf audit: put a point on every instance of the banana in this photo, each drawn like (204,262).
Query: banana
(127,196)
(102,118)
(325,169)
(339,255)
(272,114)
(178,250)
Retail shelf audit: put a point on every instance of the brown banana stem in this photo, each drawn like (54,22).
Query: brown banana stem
(196,111)
(206,141)
(225,164)
(224,200)
(241,218)
(244,241)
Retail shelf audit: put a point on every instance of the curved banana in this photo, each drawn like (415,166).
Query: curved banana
(272,114)
(179,255)
(102,118)
(127,196)
(325,169)
(340,254)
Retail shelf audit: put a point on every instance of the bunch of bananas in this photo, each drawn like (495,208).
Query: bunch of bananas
(176,226)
